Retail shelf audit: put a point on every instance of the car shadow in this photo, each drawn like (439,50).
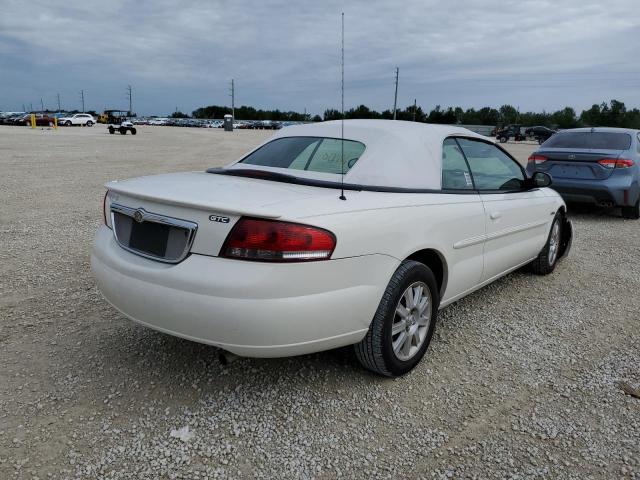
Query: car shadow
(186,371)
(580,210)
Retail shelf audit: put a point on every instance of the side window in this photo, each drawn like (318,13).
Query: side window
(455,172)
(491,168)
(328,156)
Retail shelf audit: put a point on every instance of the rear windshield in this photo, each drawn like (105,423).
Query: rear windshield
(313,154)
(590,140)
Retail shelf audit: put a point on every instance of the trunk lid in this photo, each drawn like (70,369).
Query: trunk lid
(213,202)
(577,164)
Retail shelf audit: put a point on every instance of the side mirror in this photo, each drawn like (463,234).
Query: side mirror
(540,180)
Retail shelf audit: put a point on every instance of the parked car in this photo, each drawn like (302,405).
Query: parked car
(42,120)
(597,166)
(274,255)
(510,131)
(540,133)
(77,119)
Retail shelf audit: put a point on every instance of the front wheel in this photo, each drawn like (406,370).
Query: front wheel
(133,131)
(112,130)
(548,257)
(89,123)
(632,213)
(403,325)
(68,123)
(503,139)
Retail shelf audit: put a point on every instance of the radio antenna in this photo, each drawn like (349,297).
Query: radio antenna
(342,197)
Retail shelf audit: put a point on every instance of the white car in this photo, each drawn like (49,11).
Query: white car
(77,119)
(274,256)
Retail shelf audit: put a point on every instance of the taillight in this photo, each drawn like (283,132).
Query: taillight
(616,162)
(537,159)
(104,208)
(274,241)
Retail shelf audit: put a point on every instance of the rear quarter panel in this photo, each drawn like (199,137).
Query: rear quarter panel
(399,225)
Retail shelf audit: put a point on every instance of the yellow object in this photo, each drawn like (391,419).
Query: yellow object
(33,120)
(55,123)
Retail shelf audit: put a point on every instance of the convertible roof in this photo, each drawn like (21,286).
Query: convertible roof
(397,154)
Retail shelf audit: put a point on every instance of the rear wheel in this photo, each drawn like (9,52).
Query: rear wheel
(112,130)
(89,123)
(546,260)
(68,123)
(503,139)
(403,325)
(632,213)
(133,131)
(122,130)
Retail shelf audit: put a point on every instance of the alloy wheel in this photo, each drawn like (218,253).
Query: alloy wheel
(411,321)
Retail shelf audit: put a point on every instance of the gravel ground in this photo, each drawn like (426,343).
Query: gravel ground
(524,379)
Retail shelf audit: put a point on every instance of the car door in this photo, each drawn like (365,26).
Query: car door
(517,220)
(465,226)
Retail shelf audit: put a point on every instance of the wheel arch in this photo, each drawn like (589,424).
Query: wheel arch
(436,262)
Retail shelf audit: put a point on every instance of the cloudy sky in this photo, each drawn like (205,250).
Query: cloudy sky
(286,54)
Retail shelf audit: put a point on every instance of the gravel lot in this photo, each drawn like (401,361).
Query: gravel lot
(524,379)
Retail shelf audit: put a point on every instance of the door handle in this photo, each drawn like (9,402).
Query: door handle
(495,215)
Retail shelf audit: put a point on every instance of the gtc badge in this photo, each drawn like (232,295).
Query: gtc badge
(219,219)
(138,215)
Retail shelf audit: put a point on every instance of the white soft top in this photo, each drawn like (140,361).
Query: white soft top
(397,154)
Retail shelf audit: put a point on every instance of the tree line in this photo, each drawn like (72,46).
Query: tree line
(250,113)
(612,114)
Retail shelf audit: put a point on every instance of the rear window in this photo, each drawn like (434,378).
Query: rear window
(590,140)
(313,154)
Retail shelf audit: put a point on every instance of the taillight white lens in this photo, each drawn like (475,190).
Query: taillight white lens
(274,241)
(537,159)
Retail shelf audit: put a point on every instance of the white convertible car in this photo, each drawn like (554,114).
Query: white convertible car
(267,258)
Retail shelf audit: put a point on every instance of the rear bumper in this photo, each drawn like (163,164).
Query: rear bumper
(614,191)
(248,308)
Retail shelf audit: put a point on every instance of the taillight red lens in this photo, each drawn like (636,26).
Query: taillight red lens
(274,241)
(616,162)
(537,159)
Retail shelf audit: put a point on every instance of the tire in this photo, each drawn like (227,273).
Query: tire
(540,141)
(376,350)
(632,213)
(122,130)
(133,131)
(112,130)
(68,123)
(503,139)
(547,259)
(89,123)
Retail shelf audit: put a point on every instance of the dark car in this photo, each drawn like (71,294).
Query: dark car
(42,120)
(510,131)
(541,134)
(598,166)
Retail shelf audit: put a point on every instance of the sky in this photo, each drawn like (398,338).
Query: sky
(535,55)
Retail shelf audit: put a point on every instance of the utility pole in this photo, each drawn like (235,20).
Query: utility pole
(30,106)
(41,105)
(415,100)
(58,95)
(82,97)
(24,107)
(395,100)
(305,114)
(233,100)
(130,101)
